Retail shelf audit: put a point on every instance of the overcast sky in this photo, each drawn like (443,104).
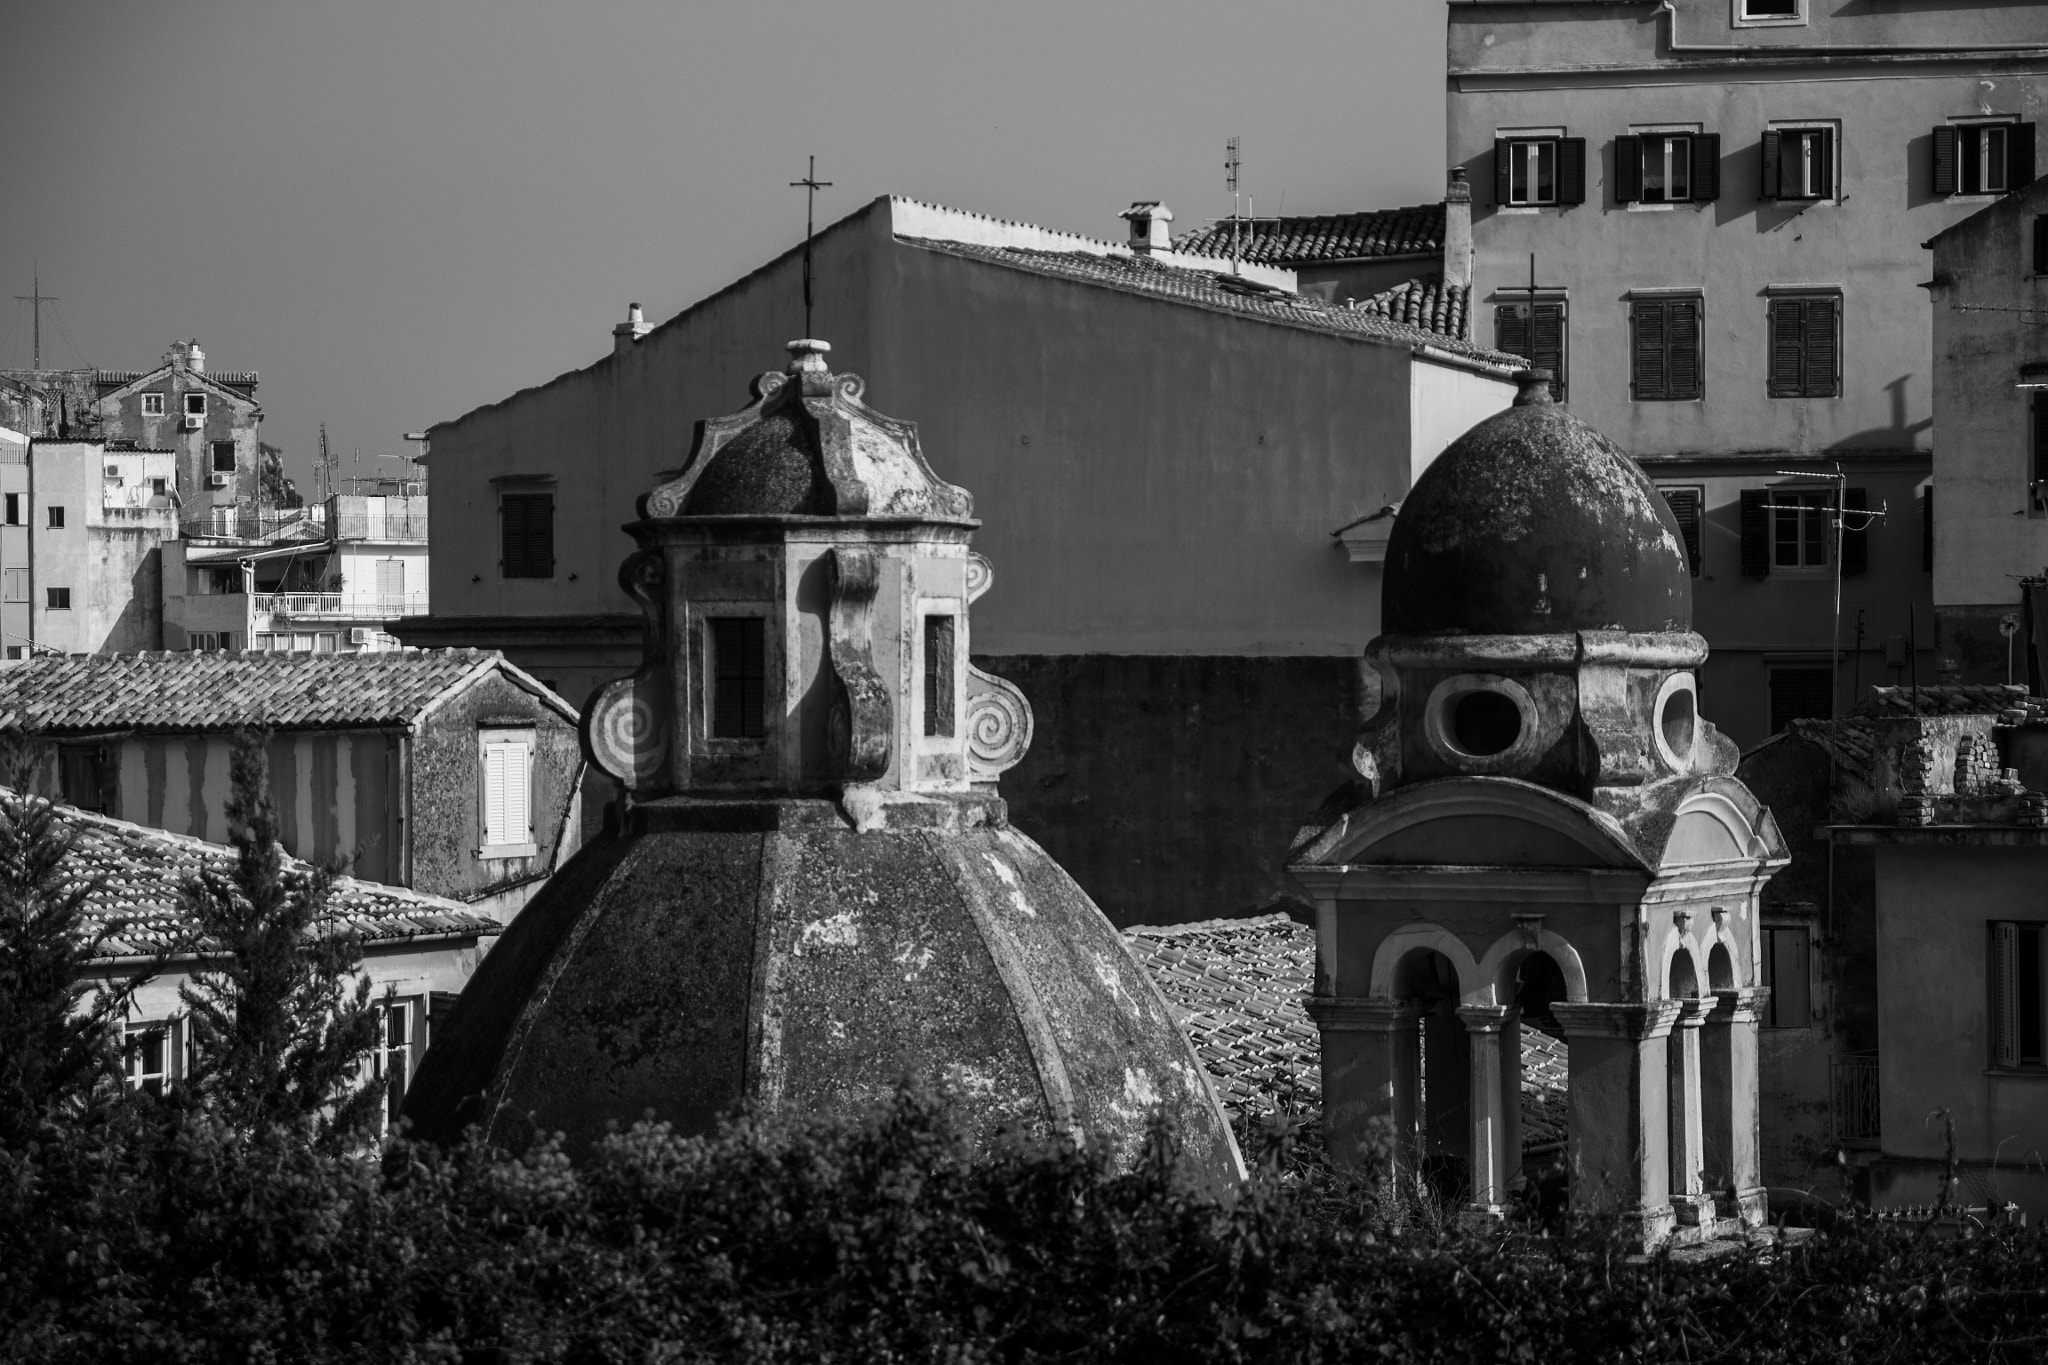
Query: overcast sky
(396,210)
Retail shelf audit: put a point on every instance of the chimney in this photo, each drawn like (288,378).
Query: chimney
(195,359)
(631,330)
(1149,230)
(1458,230)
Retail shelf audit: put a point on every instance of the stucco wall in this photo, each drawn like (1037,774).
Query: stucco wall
(446,776)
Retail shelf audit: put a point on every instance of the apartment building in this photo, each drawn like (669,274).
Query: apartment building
(82,530)
(1706,217)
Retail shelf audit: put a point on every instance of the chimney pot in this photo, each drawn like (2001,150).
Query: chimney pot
(631,330)
(1150,223)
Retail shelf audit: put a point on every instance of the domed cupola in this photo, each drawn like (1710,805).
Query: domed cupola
(812,890)
(1531,523)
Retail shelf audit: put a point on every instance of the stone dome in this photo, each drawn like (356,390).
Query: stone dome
(1533,523)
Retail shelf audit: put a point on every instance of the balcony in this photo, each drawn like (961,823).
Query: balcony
(336,606)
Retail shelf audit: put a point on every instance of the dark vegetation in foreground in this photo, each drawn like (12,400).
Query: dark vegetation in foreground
(240,1219)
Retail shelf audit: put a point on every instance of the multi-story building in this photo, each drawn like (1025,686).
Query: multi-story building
(1706,215)
(329,578)
(1172,444)
(17,629)
(1990,296)
(88,525)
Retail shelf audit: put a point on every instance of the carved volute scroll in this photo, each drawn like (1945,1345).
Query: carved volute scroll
(998,725)
(626,724)
(862,715)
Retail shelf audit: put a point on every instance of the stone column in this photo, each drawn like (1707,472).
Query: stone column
(1616,1151)
(1728,1092)
(1370,1079)
(1488,1029)
(1690,1201)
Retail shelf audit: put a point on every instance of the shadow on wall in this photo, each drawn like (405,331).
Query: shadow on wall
(1898,435)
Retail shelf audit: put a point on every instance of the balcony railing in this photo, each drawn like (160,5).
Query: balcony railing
(1853,1096)
(381,526)
(240,523)
(370,606)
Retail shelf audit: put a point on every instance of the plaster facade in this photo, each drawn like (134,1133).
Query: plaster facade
(1879,82)
(1170,473)
(96,520)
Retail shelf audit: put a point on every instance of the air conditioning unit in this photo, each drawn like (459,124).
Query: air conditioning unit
(216,481)
(359,635)
(194,421)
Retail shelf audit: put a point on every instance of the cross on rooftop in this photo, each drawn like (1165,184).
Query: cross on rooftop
(811,185)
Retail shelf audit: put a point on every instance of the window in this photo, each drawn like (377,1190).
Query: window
(57,599)
(2038,401)
(1767,11)
(1533,171)
(17,652)
(85,776)
(1788,971)
(220,581)
(2016,997)
(1806,351)
(1536,330)
(938,675)
(147,1049)
(1688,507)
(1799,528)
(739,677)
(326,642)
(1801,694)
(508,804)
(56,518)
(14,585)
(263,640)
(14,509)
(1665,359)
(1983,158)
(223,457)
(212,639)
(1799,163)
(195,405)
(302,642)
(152,405)
(159,488)
(2041,244)
(391,1057)
(527,524)
(1667,168)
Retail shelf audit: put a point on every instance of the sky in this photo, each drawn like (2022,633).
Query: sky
(398,210)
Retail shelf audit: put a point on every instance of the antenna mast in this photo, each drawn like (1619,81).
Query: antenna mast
(38,298)
(1230,178)
(327,468)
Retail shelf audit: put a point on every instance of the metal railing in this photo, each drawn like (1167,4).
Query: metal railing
(241,523)
(1853,1096)
(376,606)
(380,526)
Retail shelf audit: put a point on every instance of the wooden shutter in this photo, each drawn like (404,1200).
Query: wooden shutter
(1756,532)
(2019,155)
(529,534)
(1855,531)
(1788,346)
(1511,328)
(1824,163)
(1649,378)
(1683,360)
(1686,510)
(1502,151)
(518,803)
(1773,157)
(1628,170)
(2005,993)
(1546,344)
(2040,403)
(1945,159)
(1823,362)
(1706,167)
(1571,170)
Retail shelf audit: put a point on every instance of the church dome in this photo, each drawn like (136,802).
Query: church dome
(1533,523)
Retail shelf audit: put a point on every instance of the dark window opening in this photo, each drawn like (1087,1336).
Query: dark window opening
(1799,163)
(1667,168)
(85,776)
(739,674)
(2017,1007)
(56,518)
(1788,972)
(1530,172)
(1688,508)
(938,675)
(2041,244)
(1666,361)
(1537,331)
(1805,340)
(1485,723)
(1801,694)
(223,457)
(1799,528)
(1983,158)
(527,528)
(195,404)
(58,599)
(14,509)
(1770,9)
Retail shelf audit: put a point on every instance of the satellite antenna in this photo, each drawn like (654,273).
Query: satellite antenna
(1230,178)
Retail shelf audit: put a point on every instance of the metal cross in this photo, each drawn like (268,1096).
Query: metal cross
(811,185)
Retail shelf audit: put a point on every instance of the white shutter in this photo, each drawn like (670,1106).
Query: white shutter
(495,825)
(518,802)
(2005,993)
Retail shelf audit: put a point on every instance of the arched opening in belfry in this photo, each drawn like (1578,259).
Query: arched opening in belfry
(1720,1063)
(1442,1141)
(1684,1130)
(1538,984)
(1720,969)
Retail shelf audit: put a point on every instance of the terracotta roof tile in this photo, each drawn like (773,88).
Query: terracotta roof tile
(141,872)
(1221,291)
(1946,699)
(213,690)
(1239,988)
(1426,302)
(1411,231)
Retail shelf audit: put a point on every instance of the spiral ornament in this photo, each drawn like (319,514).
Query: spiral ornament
(998,724)
(628,733)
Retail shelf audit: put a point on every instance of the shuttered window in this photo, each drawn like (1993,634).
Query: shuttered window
(1667,168)
(1805,340)
(1799,163)
(739,677)
(2039,436)
(508,783)
(1855,531)
(1688,508)
(1799,528)
(1536,171)
(2040,249)
(1756,532)
(1665,362)
(528,527)
(1537,331)
(1788,973)
(2016,995)
(1801,694)
(1983,158)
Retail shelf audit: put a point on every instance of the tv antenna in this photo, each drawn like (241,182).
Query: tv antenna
(38,298)
(329,470)
(1230,164)
(811,185)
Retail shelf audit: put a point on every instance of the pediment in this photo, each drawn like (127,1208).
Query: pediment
(1477,821)
(1714,826)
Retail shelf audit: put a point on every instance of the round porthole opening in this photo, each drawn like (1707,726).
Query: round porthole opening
(1485,723)
(1677,721)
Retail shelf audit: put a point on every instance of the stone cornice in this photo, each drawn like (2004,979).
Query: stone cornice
(1362,1014)
(1634,1022)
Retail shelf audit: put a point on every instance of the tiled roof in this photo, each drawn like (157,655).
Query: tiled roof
(1239,988)
(1850,740)
(215,690)
(1946,699)
(1325,237)
(1202,288)
(140,873)
(1426,302)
